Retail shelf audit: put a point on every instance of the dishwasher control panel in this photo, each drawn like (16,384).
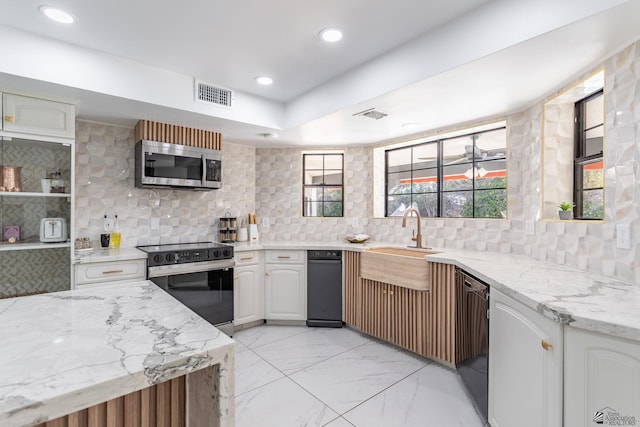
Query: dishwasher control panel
(324,255)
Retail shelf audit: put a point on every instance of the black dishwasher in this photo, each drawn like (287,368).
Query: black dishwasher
(472,337)
(324,288)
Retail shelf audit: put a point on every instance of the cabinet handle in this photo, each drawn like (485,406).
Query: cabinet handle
(8,119)
(246,259)
(284,257)
(546,345)
(112,271)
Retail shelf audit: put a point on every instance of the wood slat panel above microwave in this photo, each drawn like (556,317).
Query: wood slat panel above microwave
(164,132)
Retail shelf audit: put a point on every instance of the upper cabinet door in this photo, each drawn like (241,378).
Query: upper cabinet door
(23,114)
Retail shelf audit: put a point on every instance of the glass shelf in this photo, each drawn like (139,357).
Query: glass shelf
(4,246)
(27,194)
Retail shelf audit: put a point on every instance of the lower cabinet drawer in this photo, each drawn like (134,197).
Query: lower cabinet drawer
(285,256)
(111,271)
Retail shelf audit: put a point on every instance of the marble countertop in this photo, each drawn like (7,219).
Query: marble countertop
(64,351)
(569,296)
(103,255)
(306,245)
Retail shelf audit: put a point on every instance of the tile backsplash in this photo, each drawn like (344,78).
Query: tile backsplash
(105,185)
(588,246)
(268,181)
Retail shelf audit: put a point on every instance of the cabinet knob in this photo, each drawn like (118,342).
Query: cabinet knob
(267,273)
(235,277)
(384,292)
(8,119)
(391,293)
(546,345)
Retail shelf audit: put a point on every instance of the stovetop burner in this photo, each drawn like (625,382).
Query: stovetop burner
(181,247)
(181,253)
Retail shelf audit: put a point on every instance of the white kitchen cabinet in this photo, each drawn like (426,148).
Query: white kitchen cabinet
(27,115)
(285,285)
(109,272)
(248,288)
(602,375)
(525,365)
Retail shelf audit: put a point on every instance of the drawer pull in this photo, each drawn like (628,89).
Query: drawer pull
(112,271)
(284,257)
(546,345)
(249,258)
(8,119)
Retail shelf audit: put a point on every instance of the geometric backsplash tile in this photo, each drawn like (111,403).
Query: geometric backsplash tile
(105,185)
(267,181)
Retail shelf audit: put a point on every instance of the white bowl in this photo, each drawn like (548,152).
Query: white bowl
(357,238)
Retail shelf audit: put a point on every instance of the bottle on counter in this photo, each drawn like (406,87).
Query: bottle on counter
(114,239)
(104,237)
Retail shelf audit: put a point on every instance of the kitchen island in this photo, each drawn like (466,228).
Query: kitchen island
(66,351)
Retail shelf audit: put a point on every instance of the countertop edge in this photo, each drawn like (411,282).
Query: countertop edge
(177,350)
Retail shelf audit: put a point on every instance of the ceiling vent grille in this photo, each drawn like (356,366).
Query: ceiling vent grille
(213,94)
(371,113)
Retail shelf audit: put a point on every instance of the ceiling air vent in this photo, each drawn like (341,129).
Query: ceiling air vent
(213,94)
(371,113)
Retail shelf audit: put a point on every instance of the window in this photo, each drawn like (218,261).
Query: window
(464,176)
(322,184)
(572,150)
(588,177)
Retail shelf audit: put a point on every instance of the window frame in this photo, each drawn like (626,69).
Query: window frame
(440,167)
(580,159)
(324,154)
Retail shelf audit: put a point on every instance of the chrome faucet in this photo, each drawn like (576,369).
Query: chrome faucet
(418,238)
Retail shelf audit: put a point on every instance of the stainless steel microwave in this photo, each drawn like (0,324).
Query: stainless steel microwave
(160,164)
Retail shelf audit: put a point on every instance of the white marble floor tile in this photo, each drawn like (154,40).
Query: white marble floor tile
(265,334)
(347,380)
(252,371)
(303,350)
(281,403)
(339,422)
(432,396)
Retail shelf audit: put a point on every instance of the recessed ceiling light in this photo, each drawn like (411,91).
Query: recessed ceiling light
(330,35)
(269,135)
(57,15)
(264,80)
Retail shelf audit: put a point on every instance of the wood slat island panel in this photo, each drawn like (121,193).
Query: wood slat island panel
(161,405)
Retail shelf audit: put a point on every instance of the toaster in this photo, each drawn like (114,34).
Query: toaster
(53,230)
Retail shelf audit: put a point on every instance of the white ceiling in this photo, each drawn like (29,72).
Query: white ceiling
(434,63)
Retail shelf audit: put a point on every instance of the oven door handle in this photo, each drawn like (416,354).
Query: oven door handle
(186,268)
